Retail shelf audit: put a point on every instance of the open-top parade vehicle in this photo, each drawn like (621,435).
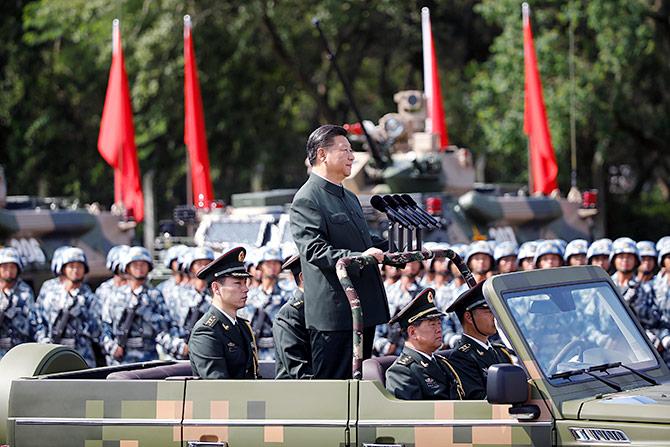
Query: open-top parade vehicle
(586,374)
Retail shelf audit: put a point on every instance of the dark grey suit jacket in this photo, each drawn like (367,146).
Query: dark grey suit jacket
(327,224)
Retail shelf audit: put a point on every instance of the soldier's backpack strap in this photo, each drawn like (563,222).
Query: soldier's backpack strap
(459,385)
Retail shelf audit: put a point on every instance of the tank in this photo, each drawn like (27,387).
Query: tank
(37,226)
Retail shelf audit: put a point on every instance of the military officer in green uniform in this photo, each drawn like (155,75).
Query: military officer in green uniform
(419,373)
(474,353)
(327,224)
(222,345)
(292,352)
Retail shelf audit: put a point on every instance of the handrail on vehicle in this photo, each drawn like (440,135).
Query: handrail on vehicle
(345,265)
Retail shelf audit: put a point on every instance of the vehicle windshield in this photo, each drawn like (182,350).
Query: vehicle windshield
(243,232)
(577,326)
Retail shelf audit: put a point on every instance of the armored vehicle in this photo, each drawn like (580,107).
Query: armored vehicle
(36,227)
(586,375)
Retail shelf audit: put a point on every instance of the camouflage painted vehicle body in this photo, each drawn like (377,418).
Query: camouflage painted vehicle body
(84,408)
(37,227)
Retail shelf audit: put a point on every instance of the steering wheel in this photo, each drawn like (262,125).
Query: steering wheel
(576,344)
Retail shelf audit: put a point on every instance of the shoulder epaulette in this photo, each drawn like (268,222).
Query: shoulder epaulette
(504,350)
(211,321)
(405,360)
(298,303)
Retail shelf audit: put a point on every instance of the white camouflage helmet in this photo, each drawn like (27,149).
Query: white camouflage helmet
(269,253)
(527,250)
(504,249)
(663,251)
(549,247)
(173,253)
(665,240)
(196,254)
(114,256)
(9,255)
(73,254)
(647,248)
(601,247)
(136,253)
(478,247)
(624,245)
(575,247)
(56,265)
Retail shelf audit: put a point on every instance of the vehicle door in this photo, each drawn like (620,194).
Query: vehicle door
(385,420)
(84,412)
(273,412)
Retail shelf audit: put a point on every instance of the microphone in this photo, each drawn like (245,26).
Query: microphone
(410,201)
(378,203)
(408,210)
(393,204)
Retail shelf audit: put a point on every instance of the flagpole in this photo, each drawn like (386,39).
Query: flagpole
(427,64)
(189,179)
(525,12)
(118,172)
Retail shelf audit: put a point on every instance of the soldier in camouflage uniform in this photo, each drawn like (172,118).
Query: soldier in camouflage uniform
(174,260)
(480,260)
(548,254)
(419,373)
(575,252)
(639,296)
(264,302)
(293,354)
(648,255)
(69,314)
(16,302)
(52,285)
(474,352)
(190,301)
(662,278)
(504,257)
(526,256)
(388,339)
(599,254)
(136,318)
(118,280)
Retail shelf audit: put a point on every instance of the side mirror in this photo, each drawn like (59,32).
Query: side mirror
(508,384)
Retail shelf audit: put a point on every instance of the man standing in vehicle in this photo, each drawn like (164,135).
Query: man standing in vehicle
(222,345)
(16,302)
(419,373)
(474,353)
(327,224)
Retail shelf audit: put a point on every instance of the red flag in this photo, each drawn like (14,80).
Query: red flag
(116,140)
(543,167)
(436,122)
(194,126)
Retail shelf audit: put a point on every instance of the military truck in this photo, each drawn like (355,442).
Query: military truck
(586,375)
(37,226)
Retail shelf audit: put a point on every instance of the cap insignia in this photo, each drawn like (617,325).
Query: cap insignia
(240,257)
(430,297)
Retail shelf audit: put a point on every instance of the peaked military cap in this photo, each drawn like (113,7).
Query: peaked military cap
(469,300)
(422,307)
(230,263)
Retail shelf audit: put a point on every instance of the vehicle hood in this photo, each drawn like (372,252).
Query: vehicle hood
(649,404)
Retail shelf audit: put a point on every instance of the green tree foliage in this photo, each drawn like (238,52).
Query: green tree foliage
(266,83)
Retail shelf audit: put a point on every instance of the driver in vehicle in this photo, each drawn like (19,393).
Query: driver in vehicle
(222,345)
(420,373)
(474,353)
